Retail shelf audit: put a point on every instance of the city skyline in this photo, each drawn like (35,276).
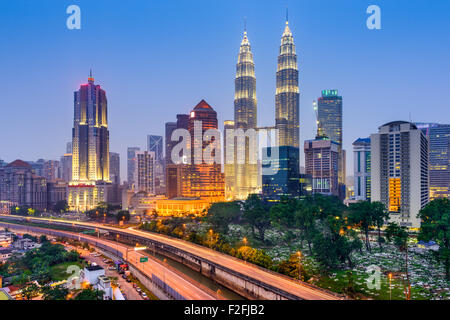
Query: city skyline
(389,89)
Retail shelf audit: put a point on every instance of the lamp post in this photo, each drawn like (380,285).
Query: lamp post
(390,287)
(245,245)
(299,254)
(210,237)
(117,239)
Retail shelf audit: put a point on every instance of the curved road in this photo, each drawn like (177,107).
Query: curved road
(297,288)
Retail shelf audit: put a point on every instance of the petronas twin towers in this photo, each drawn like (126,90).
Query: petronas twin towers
(245,176)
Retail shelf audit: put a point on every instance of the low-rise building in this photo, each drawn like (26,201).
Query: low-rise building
(5,254)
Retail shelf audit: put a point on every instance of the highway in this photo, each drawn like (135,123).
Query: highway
(297,288)
(185,286)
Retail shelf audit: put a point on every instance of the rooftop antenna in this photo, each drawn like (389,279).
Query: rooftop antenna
(410,119)
(287,15)
(245,24)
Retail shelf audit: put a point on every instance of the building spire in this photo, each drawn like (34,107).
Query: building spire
(91,78)
(245,25)
(287,15)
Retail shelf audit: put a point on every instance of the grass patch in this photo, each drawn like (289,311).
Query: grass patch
(59,271)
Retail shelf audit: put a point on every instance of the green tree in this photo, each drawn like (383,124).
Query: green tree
(54,293)
(30,291)
(436,226)
(293,267)
(257,215)
(221,214)
(399,236)
(61,206)
(90,294)
(123,215)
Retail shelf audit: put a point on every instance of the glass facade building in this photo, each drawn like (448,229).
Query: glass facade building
(439,157)
(281,175)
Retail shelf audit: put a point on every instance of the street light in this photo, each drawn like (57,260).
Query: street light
(390,287)
(299,254)
(210,237)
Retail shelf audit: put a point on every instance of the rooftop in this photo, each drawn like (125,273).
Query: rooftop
(94,268)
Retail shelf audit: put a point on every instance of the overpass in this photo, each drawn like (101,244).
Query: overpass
(248,280)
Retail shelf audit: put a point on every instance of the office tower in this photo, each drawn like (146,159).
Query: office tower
(145,180)
(230,177)
(170,128)
(245,122)
(2,163)
(131,165)
(50,170)
(175,179)
(69,147)
(155,144)
(439,157)
(321,163)
(90,145)
(399,171)
(287,98)
(65,164)
(21,186)
(329,124)
(203,179)
(114,167)
(362,164)
(280,174)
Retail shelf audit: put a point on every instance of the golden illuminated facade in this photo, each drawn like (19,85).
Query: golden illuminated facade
(245,118)
(287,98)
(202,179)
(400,171)
(90,148)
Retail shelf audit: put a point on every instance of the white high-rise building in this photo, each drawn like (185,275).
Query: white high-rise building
(145,171)
(399,171)
(362,164)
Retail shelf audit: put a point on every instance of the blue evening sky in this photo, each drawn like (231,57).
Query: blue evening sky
(159,58)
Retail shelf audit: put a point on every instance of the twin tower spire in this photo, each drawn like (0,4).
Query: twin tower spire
(245,106)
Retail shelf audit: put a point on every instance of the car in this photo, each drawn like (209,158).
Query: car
(144,295)
(124,276)
(128,279)
(134,285)
(138,290)
(111,268)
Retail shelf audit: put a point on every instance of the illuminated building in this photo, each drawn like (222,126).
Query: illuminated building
(329,124)
(131,165)
(182,206)
(203,180)
(361,151)
(287,98)
(230,177)
(321,163)
(399,171)
(175,174)
(56,191)
(439,158)
(281,174)
(245,118)
(90,145)
(155,144)
(145,174)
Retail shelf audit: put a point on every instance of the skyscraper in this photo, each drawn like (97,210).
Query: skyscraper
(329,124)
(145,171)
(287,98)
(439,158)
(66,167)
(399,171)
(362,164)
(131,165)
(203,180)
(114,167)
(90,145)
(281,174)
(155,144)
(321,163)
(245,119)
(230,177)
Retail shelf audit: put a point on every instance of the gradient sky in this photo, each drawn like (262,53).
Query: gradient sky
(159,58)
